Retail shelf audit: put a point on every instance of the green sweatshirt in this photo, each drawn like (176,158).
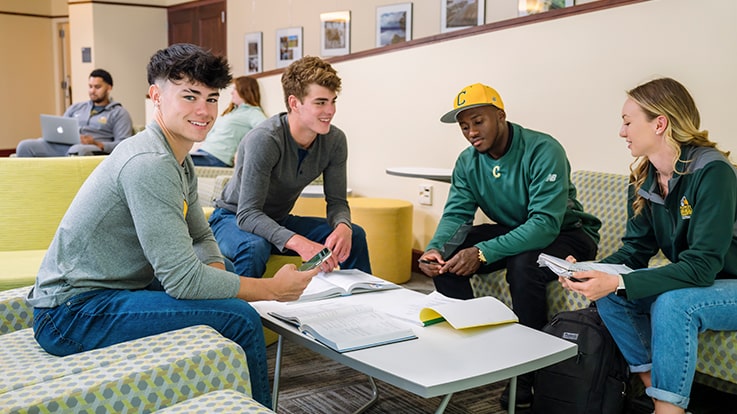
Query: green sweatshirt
(528,189)
(695,227)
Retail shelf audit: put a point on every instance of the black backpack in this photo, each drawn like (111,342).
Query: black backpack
(594,381)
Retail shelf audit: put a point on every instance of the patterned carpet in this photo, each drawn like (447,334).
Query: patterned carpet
(311,383)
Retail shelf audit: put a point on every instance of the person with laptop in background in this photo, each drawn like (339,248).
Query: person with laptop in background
(103,123)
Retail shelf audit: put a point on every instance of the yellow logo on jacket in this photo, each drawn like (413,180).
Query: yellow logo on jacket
(686,209)
(495,171)
(102,120)
(186,208)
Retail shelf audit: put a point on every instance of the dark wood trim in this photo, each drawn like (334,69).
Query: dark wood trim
(6,152)
(476,30)
(42,16)
(116,3)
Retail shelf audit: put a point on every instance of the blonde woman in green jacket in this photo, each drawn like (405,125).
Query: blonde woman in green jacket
(683,202)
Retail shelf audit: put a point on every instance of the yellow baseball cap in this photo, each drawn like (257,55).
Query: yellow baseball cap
(470,97)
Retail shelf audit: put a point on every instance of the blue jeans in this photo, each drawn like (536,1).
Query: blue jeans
(660,333)
(205,159)
(250,252)
(102,318)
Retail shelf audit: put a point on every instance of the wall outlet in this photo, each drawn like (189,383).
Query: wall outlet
(425,195)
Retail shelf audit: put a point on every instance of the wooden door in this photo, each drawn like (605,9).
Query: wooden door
(202,23)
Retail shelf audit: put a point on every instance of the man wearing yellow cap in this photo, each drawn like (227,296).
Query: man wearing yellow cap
(520,179)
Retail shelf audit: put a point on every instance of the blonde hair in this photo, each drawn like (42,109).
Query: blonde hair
(247,89)
(667,97)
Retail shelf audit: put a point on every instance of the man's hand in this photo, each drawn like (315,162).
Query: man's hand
(465,263)
(287,285)
(339,242)
(88,140)
(306,248)
(431,262)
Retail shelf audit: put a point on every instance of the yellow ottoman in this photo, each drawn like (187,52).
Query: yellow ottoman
(388,226)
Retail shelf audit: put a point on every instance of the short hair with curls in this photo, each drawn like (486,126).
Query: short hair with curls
(304,72)
(184,61)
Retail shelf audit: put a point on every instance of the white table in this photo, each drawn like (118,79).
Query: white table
(316,191)
(442,360)
(435,174)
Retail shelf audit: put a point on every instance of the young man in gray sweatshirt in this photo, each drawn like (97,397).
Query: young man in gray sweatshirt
(274,163)
(134,256)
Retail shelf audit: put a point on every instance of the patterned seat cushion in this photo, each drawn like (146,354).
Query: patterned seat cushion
(15,312)
(224,401)
(605,196)
(141,375)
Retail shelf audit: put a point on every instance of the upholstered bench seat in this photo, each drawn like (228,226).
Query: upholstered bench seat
(221,402)
(15,312)
(141,375)
(19,268)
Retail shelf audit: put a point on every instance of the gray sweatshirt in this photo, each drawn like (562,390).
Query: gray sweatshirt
(271,171)
(136,218)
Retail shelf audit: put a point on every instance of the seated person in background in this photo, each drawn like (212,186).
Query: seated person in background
(103,123)
(684,203)
(134,255)
(278,159)
(520,179)
(241,116)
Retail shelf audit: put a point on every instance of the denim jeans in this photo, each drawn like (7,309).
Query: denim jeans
(205,159)
(250,252)
(660,333)
(102,318)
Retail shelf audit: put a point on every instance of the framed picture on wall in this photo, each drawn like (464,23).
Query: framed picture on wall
(289,46)
(460,14)
(335,33)
(393,24)
(254,53)
(526,7)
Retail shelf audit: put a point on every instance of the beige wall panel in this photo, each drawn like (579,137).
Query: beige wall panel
(26,76)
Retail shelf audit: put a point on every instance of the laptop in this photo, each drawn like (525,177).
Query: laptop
(60,129)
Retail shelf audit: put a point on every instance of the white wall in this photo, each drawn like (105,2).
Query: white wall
(122,38)
(566,77)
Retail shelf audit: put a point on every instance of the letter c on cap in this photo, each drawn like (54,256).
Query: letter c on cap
(459,100)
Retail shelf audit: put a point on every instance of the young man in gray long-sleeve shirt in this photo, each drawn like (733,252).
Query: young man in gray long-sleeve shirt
(134,256)
(274,163)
